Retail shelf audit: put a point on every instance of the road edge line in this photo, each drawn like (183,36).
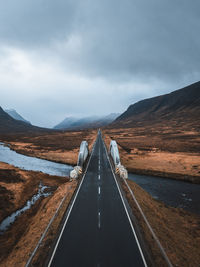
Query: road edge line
(133,230)
(72,205)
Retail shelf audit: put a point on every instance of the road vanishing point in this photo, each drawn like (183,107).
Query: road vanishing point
(97,231)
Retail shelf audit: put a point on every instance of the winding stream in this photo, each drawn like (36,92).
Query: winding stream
(5,224)
(31,164)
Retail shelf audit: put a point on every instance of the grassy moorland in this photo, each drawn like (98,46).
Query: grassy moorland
(166,150)
(18,186)
(58,146)
(177,230)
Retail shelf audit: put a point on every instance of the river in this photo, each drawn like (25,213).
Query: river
(172,192)
(5,224)
(33,164)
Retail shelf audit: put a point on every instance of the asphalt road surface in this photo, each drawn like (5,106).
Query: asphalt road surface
(98,231)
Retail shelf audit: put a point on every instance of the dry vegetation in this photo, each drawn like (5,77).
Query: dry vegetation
(177,230)
(163,151)
(159,150)
(56,146)
(17,186)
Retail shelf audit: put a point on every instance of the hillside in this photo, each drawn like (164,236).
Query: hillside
(10,125)
(86,122)
(160,136)
(15,115)
(180,105)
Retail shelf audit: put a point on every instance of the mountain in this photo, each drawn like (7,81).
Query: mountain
(180,105)
(86,122)
(13,113)
(10,125)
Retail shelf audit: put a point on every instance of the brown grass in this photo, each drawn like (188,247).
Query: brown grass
(60,147)
(150,153)
(17,186)
(177,230)
(19,240)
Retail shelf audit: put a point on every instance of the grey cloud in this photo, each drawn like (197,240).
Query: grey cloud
(113,52)
(143,38)
(35,23)
(118,38)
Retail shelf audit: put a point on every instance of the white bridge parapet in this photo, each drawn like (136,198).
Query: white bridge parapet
(119,168)
(82,157)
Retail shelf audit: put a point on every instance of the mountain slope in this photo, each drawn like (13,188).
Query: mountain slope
(10,125)
(87,122)
(13,113)
(180,105)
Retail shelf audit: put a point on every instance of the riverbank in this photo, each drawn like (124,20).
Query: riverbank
(17,187)
(58,146)
(177,230)
(148,155)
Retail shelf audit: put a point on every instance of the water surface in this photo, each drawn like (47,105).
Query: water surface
(33,164)
(5,224)
(172,192)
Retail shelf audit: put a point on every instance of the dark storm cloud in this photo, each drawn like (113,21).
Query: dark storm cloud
(35,23)
(88,52)
(142,37)
(122,38)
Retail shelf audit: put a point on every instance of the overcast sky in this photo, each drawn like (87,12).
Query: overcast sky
(87,57)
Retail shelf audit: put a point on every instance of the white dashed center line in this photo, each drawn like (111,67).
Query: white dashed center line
(99,190)
(99,220)
(99,177)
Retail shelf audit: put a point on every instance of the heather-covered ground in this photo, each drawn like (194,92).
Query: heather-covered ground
(161,150)
(177,230)
(58,146)
(17,186)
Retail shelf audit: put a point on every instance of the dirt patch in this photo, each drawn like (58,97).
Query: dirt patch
(177,230)
(10,176)
(150,153)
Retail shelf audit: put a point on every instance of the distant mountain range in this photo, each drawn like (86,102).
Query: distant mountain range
(180,105)
(86,122)
(13,113)
(10,125)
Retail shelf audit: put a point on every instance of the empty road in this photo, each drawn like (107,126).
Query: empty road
(98,231)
